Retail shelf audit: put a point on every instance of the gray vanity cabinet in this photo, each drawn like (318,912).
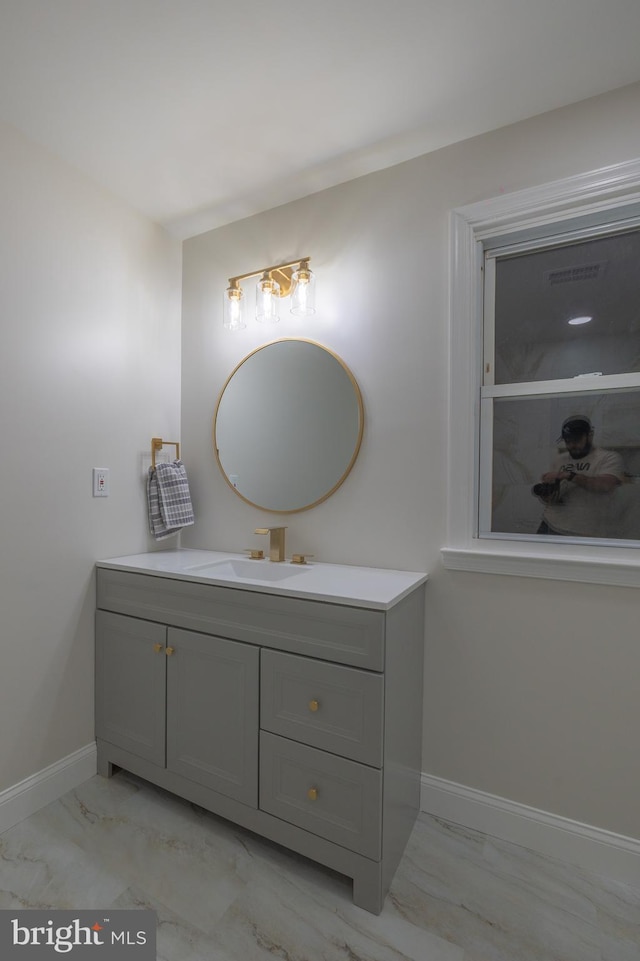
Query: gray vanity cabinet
(184,701)
(299,719)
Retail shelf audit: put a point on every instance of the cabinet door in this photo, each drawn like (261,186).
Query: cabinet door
(212,713)
(130,684)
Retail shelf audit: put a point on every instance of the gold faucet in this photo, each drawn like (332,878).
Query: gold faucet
(276,541)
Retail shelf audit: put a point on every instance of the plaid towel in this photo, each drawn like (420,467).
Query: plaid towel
(168,499)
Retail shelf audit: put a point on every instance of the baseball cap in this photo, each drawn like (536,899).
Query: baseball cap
(575,425)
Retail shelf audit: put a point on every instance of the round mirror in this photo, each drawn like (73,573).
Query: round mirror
(288,425)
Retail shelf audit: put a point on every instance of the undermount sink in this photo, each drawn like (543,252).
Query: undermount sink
(261,570)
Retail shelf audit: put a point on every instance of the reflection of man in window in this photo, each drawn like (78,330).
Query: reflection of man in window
(573,490)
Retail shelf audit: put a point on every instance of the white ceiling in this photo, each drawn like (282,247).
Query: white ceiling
(199,112)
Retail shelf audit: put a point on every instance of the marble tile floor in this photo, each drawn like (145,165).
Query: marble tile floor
(223,894)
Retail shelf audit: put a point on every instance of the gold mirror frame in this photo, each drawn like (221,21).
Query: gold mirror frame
(356,445)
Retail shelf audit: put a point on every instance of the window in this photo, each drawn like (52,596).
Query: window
(562,341)
(527,271)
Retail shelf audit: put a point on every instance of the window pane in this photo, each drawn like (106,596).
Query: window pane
(539,293)
(529,450)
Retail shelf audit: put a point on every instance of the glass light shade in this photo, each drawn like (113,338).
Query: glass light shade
(232,316)
(267,296)
(303,291)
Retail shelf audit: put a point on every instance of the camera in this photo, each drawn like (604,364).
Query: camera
(545,490)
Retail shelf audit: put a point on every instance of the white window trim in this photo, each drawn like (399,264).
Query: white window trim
(596,193)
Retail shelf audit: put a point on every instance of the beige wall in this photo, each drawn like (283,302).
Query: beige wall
(89,372)
(531,685)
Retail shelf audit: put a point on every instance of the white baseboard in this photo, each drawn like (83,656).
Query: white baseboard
(35,792)
(591,848)
(583,845)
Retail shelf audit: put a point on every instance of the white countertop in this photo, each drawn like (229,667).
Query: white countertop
(369,587)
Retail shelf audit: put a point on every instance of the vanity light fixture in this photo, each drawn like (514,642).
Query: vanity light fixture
(267,295)
(303,291)
(294,278)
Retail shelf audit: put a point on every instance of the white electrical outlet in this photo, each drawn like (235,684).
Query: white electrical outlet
(100,481)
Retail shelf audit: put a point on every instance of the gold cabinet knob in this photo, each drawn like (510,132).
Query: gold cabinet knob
(158,648)
(312,793)
(170,651)
(314,705)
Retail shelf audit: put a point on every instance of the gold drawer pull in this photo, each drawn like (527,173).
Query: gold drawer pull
(312,793)
(170,651)
(314,705)
(158,648)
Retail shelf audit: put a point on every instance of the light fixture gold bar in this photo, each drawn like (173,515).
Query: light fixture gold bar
(284,279)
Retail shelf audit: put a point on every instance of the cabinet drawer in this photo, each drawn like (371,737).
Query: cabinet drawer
(328,706)
(329,796)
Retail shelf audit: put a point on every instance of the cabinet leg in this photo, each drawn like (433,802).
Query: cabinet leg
(105,767)
(367,890)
